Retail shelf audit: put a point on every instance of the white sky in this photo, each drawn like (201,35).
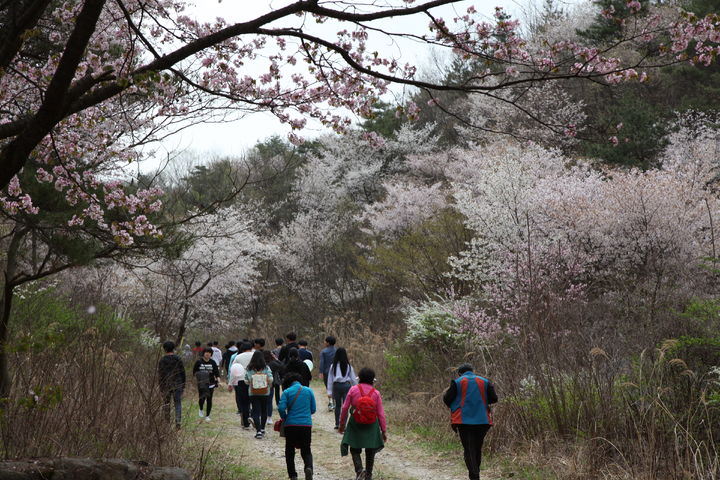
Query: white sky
(234,138)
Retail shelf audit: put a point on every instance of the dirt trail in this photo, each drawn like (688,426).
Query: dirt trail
(399,460)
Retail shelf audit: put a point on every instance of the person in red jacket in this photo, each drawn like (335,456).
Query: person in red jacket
(469,397)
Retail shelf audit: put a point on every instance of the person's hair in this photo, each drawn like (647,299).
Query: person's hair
(168,346)
(215,343)
(231,343)
(257,362)
(279,341)
(367,375)
(268,356)
(197,344)
(209,345)
(341,358)
(303,343)
(290,378)
(293,354)
(330,340)
(292,336)
(245,346)
(207,349)
(465,367)
(260,341)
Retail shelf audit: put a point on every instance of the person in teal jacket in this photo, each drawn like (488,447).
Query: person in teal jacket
(296,408)
(469,397)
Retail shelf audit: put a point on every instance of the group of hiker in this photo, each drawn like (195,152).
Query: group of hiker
(282,375)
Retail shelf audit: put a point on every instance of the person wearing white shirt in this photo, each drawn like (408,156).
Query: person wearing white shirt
(340,378)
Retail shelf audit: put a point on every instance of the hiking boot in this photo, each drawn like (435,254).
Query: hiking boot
(360,475)
(308,473)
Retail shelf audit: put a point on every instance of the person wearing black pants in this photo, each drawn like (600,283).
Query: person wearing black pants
(259,378)
(297,405)
(298,437)
(472,437)
(469,397)
(206,372)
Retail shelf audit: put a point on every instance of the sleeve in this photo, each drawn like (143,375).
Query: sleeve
(216,371)
(450,394)
(353,377)
(307,374)
(492,396)
(322,361)
(247,377)
(282,406)
(313,404)
(268,372)
(346,405)
(183,378)
(381,413)
(330,380)
(196,367)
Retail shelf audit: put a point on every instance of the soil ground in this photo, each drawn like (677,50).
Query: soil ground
(401,459)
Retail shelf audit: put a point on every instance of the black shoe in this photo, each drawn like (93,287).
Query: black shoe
(308,473)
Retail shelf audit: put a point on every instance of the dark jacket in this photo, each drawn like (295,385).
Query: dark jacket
(285,349)
(298,366)
(171,372)
(305,354)
(276,367)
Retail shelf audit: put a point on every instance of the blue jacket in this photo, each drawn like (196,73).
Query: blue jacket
(301,409)
(327,355)
(469,397)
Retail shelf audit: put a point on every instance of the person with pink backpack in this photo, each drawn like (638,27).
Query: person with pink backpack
(366,428)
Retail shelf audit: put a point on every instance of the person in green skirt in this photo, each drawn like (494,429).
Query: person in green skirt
(366,428)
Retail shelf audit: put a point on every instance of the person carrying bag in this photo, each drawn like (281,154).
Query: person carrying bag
(297,405)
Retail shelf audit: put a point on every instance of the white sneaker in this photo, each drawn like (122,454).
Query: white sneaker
(269,421)
(207,419)
(200,414)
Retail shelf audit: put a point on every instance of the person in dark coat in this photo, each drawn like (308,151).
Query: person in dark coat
(171,375)
(295,365)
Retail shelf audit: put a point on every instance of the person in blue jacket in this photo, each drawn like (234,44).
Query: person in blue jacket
(297,405)
(469,398)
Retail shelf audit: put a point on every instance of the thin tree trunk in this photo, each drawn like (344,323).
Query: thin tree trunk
(183,324)
(6,307)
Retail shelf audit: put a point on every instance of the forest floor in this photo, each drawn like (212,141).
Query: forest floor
(234,451)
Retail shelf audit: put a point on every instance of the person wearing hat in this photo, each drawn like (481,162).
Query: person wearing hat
(469,398)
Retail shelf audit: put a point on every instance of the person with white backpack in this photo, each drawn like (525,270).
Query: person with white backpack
(236,381)
(259,379)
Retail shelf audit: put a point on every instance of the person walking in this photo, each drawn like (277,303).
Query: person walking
(297,405)
(366,427)
(230,350)
(236,381)
(295,365)
(340,378)
(303,351)
(469,398)
(276,369)
(291,342)
(207,373)
(259,378)
(327,355)
(278,345)
(171,375)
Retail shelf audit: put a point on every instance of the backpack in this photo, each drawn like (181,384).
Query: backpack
(366,408)
(259,384)
(203,379)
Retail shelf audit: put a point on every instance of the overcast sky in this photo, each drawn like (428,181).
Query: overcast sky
(234,138)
